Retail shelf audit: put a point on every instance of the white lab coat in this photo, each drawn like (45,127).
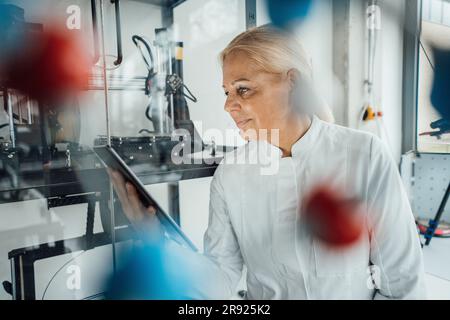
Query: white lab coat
(255,221)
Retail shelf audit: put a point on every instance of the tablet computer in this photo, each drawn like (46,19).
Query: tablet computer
(112,160)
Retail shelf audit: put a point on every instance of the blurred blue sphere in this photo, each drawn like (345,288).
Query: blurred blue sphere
(284,12)
(151,272)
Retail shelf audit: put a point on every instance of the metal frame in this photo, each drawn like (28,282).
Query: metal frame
(413,28)
(341,46)
(250,14)
(429,176)
(22,260)
(411,55)
(65,182)
(434,223)
(413,24)
(426,177)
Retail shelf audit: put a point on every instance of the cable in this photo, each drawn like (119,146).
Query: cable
(4,125)
(426,55)
(144,130)
(372,50)
(437,276)
(379,131)
(147,113)
(58,271)
(191,95)
(100,66)
(150,64)
(147,110)
(371,43)
(384,130)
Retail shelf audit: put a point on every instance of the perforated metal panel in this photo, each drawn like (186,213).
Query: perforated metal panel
(426,177)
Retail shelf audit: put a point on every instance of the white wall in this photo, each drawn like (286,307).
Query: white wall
(316,35)
(205,27)
(392,78)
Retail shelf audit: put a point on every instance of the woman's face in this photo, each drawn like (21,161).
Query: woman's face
(255,99)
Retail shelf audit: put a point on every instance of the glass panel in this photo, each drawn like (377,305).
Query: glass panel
(61,235)
(55,241)
(158,126)
(433,132)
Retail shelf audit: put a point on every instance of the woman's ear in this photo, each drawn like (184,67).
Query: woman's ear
(293,77)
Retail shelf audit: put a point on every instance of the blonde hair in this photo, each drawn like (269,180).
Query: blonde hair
(271,49)
(278,51)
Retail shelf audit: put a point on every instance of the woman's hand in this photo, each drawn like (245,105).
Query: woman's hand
(143,219)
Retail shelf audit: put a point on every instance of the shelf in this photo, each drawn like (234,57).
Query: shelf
(88,177)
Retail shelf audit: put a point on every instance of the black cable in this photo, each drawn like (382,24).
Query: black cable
(137,39)
(4,125)
(426,54)
(58,271)
(89,235)
(190,96)
(147,113)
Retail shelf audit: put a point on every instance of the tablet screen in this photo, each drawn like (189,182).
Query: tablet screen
(112,160)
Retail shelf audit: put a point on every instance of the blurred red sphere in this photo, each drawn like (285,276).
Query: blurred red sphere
(333,218)
(48,66)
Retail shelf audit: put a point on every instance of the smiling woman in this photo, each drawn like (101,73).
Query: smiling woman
(268,83)
(261,221)
(274,52)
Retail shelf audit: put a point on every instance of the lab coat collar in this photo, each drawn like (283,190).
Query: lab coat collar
(304,144)
(266,150)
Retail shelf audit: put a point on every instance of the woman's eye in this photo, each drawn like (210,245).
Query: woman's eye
(242,91)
